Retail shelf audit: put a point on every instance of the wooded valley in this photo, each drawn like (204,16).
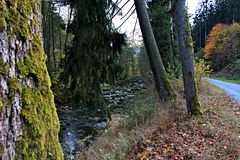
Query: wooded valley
(119,79)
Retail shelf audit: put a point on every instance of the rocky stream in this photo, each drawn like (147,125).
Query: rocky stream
(79,126)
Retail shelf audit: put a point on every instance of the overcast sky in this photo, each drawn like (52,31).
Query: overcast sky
(192,4)
(128,26)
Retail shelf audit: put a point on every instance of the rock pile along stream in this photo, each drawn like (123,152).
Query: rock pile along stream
(79,126)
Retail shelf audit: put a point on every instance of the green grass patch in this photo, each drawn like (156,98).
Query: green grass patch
(237,81)
(124,130)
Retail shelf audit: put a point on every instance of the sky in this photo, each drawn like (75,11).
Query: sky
(129,25)
(192,5)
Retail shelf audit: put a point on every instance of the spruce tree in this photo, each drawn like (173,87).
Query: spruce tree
(93,57)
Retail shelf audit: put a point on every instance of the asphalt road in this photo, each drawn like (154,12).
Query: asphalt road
(230,88)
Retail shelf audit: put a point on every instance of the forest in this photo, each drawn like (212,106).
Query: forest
(119,80)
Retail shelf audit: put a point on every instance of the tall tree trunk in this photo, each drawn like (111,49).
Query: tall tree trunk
(60,34)
(48,38)
(163,86)
(44,24)
(186,51)
(53,38)
(70,13)
(29,123)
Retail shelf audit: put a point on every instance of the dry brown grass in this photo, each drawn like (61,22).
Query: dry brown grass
(214,135)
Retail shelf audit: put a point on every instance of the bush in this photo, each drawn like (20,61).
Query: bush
(223,45)
(202,69)
(232,71)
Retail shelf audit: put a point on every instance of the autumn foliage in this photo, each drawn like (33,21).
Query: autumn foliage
(215,39)
(223,45)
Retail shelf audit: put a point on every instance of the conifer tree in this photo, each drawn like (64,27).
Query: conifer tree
(93,57)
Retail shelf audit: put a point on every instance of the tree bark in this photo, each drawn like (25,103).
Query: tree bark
(53,38)
(162,83)
(186,51)
(29,123)
(67,30)
(49,38)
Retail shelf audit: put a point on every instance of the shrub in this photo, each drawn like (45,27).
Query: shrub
(223,46)
(202,69)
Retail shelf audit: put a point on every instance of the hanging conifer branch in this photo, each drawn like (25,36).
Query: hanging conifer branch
(128,11)
(126,18)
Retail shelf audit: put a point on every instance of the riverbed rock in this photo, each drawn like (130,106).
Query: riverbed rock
(101,125)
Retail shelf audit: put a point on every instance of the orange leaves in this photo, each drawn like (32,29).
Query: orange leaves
(223,45)
(148,132)
(214,38)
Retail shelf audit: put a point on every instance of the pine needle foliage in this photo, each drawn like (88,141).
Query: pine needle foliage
(93,58)
(161,24)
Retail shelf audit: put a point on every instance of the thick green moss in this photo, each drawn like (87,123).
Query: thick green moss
(39,140)
(3,14)
(196,109)
(40,134)
(3,24)
(3,11)
(4,68)
(4,102)
(14,85)
(41,126)
(1,105)
(169,88)
(18,16)
(2,149)
(34,65)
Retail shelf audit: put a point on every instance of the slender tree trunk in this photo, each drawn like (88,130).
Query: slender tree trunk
(163,86)
(29,123)
(186,50)
(200,37)
(68,24)
(48,38)
(60,35)
(44,24)
(53,38)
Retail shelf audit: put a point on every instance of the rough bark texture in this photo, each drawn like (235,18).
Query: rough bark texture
(163,86)
(29,123)
(186,50)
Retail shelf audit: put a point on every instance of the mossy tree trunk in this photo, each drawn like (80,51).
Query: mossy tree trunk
(186,51)
(163,85)
(29,123)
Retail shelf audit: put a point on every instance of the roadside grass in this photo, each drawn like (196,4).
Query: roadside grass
(165,131)
(228,80)
(213,136)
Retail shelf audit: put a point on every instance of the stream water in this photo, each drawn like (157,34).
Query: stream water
(79,126)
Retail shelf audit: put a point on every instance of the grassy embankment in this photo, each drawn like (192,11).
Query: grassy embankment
(228,80)
(165,131)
